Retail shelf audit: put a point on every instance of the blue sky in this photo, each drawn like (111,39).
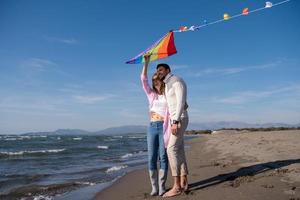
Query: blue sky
(62,62)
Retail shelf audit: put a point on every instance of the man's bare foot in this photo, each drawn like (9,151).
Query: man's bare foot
(173,192)
(184,184)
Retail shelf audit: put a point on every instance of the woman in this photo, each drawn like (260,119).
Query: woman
(157,136)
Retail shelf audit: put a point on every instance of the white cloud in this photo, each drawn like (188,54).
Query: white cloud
(34,105)
(91,99)
(198,115)
(233,70)
(70,41)
(32,67)
(38,64)
(279,115)
(132,87)
(178,67)
(249,96)
(136,113)
(72,88)
(261,115)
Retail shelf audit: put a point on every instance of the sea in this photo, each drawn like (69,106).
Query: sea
(64,167)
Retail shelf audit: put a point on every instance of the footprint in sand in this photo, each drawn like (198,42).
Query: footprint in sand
(268,186)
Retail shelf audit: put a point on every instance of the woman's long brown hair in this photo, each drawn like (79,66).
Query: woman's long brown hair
(162,88)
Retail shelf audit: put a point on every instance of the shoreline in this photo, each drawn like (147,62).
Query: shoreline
(237,165)
(91,192)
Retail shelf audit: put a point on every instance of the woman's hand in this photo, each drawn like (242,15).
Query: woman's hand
(147,58)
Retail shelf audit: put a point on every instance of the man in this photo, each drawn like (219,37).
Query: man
(176,93)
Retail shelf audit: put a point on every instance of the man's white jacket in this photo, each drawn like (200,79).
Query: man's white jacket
(176,94)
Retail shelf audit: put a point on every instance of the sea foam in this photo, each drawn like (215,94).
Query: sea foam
(16,153)
(115,168)
(128,155)
(42,197)
(102,147)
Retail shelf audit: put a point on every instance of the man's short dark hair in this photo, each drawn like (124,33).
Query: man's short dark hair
(164,65)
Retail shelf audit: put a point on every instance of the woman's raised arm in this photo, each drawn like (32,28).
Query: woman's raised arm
(144,76)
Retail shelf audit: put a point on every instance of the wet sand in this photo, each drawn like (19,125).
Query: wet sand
(229,165)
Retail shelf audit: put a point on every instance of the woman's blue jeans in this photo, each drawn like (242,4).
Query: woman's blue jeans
(156,146)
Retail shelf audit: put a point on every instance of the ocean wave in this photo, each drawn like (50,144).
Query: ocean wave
(10,139)
(40,192)
(137,137)
(17,153)
(85,183)
(25,137)
(42,197)
(38,136)
(127,155)
(77,138)
(102,147)
(21,137)
(115,168)
(118,136)
(17,138)
(110,139)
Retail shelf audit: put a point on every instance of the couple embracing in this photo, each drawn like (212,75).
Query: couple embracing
(165,136)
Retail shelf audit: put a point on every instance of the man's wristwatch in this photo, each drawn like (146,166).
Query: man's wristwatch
(175,122)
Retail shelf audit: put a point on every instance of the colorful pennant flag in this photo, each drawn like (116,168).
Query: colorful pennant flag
(269,4)
(163,48)
(226,16)
(193,28)
(245,11)
(183,28)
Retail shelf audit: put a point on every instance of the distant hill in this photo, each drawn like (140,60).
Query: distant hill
(108,131)
(123,130)
(143,129)
(60,132)
(235,124)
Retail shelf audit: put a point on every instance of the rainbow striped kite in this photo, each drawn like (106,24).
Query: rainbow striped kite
(163,48)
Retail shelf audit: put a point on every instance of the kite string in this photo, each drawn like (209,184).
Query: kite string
(234,16)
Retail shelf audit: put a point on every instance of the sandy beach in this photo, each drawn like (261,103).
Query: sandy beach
(229,165)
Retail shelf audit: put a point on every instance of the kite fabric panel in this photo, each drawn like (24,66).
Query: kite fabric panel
(163,48)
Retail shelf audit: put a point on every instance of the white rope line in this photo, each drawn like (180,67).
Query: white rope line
(231,17)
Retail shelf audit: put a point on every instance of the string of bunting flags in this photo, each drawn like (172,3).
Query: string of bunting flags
(165,46)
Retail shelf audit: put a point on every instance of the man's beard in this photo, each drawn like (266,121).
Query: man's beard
(161,77)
